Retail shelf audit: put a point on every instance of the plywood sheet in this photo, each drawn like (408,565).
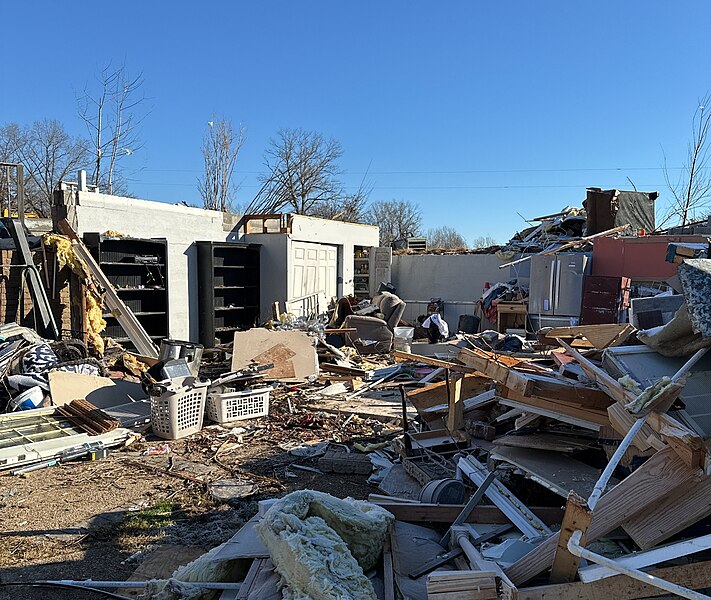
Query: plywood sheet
(102,392)
(556,471)
(291,352)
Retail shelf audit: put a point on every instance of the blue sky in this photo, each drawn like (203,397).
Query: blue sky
(473,110)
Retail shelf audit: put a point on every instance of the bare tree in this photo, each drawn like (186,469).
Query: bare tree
(112,117)
(302,174)
(48,153)
(445,238)
(397,219)
(484,241)
(220,148)
(692,188)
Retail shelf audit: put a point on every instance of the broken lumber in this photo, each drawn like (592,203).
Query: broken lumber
(577,517)
(461,585)
(693,576)
(420,512)
(671,513)
(455,413)
(400,356)
(123,314)
(534,383)
(613,387)
(660,475)
(599,336)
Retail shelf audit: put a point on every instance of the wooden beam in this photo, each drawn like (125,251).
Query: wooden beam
(455,414)
(533,383)
(447,513)
(694,576)
(622,420)
(599,336)
(662,474)
(562,407)
(577,517)
(613,387)
(685,442)
(434,362)
(461,585)
(671,513)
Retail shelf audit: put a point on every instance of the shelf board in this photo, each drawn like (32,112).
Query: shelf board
(361,259)
(138,289)
(138,314)
(123,340)
(226,308)
(235,287)
(131,264)
(226,329)
(234,266)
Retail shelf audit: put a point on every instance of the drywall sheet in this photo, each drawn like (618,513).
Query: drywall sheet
(291,353)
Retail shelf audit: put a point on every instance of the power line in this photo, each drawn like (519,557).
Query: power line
(424,187)
(463,172)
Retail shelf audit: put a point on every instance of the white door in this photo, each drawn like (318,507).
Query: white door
(314,270)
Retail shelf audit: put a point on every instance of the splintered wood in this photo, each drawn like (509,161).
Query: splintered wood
(461,585)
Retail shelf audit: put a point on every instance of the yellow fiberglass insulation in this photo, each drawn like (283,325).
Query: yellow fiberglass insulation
(321,545)
(66,256)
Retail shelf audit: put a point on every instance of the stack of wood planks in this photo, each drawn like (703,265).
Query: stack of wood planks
(87,417)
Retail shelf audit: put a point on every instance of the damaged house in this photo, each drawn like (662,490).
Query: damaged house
(326,418)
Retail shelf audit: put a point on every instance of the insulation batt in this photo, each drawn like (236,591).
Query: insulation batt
(203,568)
(321,545)
(648,395)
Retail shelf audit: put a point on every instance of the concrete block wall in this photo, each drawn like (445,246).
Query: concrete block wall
(180,225)
(276,254)
(458,279)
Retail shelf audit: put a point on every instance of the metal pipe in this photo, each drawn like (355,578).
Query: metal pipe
(576,549)
(209,585)
(614,461)
(470,551)
(689,363)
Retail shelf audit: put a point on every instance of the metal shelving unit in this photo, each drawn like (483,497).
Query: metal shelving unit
(228,276)
(138,270)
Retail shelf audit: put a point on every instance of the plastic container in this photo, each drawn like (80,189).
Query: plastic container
(179,412)
(233,405)
(403,337)
(27,400)
(443,491)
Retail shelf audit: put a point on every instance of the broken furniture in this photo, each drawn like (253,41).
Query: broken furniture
(604,300)
(374,329)
(137,269)
(228,290)
(511,315)
(371,267)
(606,209)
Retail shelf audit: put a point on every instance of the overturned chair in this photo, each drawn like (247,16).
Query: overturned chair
(375,335)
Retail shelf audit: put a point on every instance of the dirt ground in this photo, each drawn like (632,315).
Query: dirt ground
(101,519)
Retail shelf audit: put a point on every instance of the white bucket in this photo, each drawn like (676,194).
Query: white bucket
(28,400)
(403,337)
